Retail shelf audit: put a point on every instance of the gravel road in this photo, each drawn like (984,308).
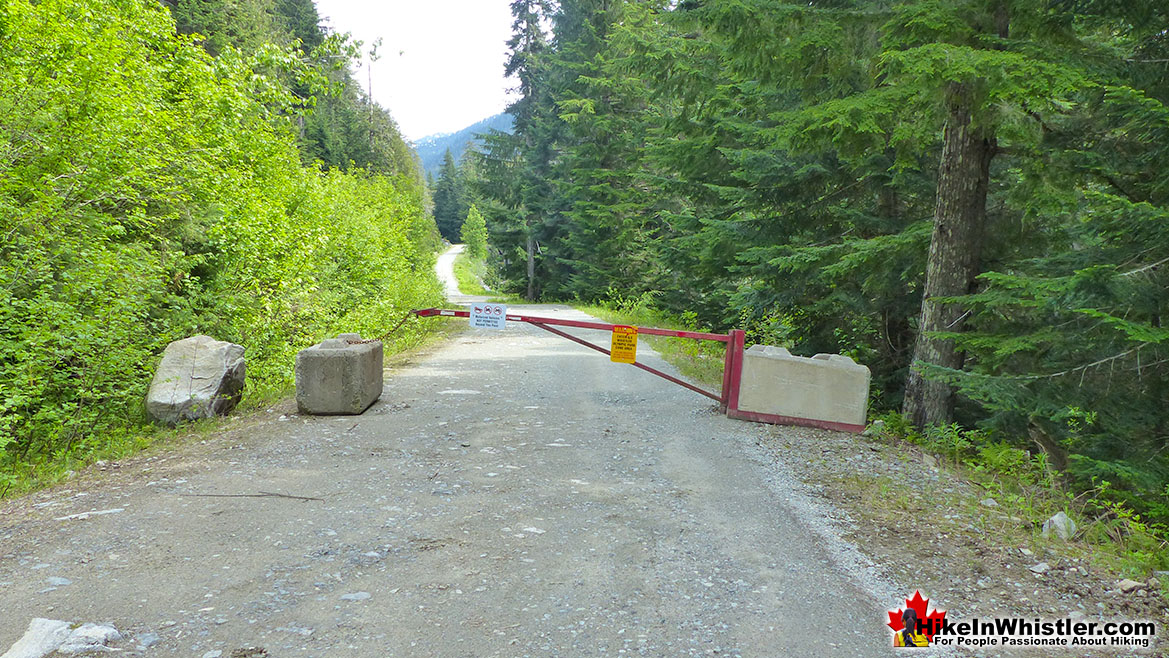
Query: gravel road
(511,494)
(445,270)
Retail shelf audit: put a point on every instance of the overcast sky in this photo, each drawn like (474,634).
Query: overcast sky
(441,66)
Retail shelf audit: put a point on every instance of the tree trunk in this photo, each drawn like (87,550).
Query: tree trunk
(963,179)
(531,296)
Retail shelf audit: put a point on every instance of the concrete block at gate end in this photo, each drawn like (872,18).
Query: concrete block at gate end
(338,376)
(829,388)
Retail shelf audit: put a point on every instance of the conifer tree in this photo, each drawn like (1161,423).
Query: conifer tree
(531,141)
(450,199)
(606,233)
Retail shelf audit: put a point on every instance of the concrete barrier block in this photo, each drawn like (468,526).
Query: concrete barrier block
(338,377)
(828,389)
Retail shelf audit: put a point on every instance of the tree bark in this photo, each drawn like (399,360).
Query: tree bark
(531,296)
(959,216)
(1056,455)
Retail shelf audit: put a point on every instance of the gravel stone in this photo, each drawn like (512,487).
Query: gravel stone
(147,640)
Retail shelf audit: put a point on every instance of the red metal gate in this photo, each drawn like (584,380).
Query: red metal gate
(728,398)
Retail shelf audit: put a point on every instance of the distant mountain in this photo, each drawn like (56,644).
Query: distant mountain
(431,149)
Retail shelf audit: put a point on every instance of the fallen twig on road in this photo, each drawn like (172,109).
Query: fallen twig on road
(86,515)
(262,494)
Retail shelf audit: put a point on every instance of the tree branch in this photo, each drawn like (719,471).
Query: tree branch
(1150,266)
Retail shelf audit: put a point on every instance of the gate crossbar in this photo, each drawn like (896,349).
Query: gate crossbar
(729,397)
(579,324)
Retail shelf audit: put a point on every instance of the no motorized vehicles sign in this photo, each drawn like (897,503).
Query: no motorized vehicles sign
(488,316)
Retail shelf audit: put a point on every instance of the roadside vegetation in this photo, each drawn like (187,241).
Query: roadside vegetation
(157,184)
(470,272)
(1026,486)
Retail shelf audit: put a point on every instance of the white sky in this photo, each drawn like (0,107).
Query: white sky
(449,73)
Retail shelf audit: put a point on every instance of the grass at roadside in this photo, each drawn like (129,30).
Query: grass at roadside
(470,273)
(1028,491)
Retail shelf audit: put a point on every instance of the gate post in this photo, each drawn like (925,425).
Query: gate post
(733,371)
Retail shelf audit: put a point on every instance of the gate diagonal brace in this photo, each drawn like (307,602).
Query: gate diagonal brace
(636,364)
(547,325)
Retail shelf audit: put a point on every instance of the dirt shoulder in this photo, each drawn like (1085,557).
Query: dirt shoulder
(936,533)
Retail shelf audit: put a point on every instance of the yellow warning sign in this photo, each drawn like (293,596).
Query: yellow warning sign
(624,346)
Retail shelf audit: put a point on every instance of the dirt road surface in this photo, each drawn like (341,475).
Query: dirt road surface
(445,270)
(511,494)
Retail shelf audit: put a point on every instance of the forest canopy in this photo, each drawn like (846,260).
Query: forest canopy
(967,196)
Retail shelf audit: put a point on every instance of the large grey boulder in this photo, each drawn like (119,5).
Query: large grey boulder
(198,377)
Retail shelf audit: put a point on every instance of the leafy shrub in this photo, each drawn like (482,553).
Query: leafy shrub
(1145,544)
(474,234)
(149,192)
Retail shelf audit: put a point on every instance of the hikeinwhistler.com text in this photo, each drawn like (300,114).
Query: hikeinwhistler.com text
(1018,632)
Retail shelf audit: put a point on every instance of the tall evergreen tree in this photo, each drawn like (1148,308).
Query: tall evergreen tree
(977,32)
(531,188)
(450,199)
(606,236)
(1068,347)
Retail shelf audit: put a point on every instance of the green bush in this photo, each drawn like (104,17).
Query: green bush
(474,234)
(149,192)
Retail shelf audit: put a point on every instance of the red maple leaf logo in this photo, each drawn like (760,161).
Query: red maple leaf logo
(931,622)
